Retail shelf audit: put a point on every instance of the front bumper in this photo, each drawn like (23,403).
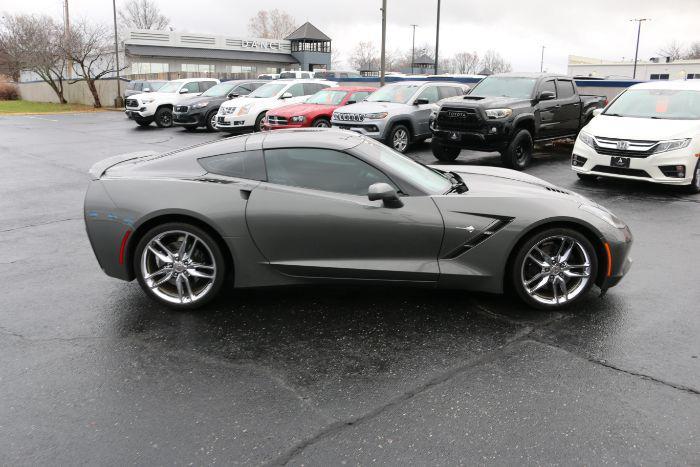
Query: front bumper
(372,128)
(644,169)
(233,122)
(141,111)
(195,117)
(617,246)
(492,136)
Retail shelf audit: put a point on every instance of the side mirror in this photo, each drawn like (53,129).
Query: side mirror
(386,193)
(597,112)
(184,91)
(421,101)
(232,95)
(350,102)
(286,95)
(547,96)
(146,89)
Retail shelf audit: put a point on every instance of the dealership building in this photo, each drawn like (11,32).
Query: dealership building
(170,54)
(654,69)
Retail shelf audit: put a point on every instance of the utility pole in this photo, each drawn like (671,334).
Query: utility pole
(66,35)
(542,61)
(437,37)
(413,49)
(118,101)
(382,72)
(636,50)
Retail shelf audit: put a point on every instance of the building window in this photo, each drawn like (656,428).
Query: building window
(694,76)
(197,68)
(658,76)
(142,68)
(240,69)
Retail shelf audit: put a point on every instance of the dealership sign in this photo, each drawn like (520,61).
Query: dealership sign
(261,44)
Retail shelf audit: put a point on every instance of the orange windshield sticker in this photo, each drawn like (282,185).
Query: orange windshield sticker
(662,105)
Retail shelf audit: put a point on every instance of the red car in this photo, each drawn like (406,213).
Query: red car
(317,109)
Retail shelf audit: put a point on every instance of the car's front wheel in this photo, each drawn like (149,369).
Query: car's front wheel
(210,120)
(179,265)
(554,268)
(259,122)
(444,153)
(518,154)
(164,117)
(321,122)
(399,138)
(694,186)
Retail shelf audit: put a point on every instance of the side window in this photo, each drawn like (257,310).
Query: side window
(548,86)
(204,85)
(139,86)
(312,88)
(296,90)
(565,88)
(306,75)
(430,93)
(448,91)
(321,169)
(255,86)
(359,96)
(191,87)
(243,89)
(244,164)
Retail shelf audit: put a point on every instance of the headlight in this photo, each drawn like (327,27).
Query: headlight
(672,145)
(376,116)
(297,119)
(244,110)
(586,139)
(604,214)
(200,105)
(499,113)
(147,100)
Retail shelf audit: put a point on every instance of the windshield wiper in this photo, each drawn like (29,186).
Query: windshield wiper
(458,185)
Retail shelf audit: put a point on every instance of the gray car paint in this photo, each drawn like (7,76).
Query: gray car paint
(279,235)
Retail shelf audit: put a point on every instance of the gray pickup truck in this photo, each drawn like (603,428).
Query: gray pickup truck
(397,114)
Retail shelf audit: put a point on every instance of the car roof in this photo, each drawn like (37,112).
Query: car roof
(422,83)
(301,80)
(351,88)
(239,81)
(315,137)
(531,75)
(691,85)
(182,80)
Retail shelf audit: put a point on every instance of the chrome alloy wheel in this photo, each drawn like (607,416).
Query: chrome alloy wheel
(400,140)
(556,270)
(178,267)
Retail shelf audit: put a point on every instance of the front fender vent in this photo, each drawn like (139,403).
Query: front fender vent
(487,233)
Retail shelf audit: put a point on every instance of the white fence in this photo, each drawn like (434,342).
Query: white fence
(76,93)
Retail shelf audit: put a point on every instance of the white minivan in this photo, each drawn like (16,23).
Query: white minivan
(650,132)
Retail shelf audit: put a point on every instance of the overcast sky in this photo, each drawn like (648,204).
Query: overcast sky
(516,28)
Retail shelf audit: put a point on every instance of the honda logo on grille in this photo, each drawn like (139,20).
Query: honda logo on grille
(623,145)
(455,114)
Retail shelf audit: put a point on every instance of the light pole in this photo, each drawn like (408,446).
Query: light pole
(382,72)
(118,100)
(636,50)
(437,37)
(542,61)
(413,49)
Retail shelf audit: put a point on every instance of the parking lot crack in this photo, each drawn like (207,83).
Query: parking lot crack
(38,224)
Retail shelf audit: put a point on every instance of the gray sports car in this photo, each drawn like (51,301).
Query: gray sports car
(330,206)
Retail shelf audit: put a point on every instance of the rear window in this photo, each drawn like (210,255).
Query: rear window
(244,164)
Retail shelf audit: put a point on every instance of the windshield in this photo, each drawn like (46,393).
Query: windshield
(155,85)
(267,90)
(220,90)
(421,176)
(397,93)
(288,74)
(667,104)
(504,86)
(327,97)
(172,86)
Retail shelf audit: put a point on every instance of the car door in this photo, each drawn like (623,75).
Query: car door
(312,218)
(548,111)
(570,111)
(421,113)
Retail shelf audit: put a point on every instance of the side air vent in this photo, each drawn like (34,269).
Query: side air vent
(205,40)
(557,190)
(488,232)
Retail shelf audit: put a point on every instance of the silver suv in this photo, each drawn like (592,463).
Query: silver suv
(397,114)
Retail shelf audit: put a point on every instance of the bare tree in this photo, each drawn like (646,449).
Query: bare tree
(446,65)
(336,59)
(494,62)
(272,24)
(673,50)
(34,43)
(365,56)
(466,63)
(693,52)
(91,48)
(142,14)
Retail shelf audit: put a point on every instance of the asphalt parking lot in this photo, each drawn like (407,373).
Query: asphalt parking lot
(92,372)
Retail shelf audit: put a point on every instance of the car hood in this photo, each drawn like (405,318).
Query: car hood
(488,102)
(642,128)
(197,99)
(371,107)
(242,101)
(499,182)
(301,109)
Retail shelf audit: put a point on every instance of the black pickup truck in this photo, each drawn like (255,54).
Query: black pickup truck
(510,112)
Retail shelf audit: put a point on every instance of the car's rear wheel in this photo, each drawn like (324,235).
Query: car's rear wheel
(321,122)
(164,117)
(554,268)
(694,186)
(444,153)
(518,154)
(179,265)
(259,122)
(399,138)
(210,120)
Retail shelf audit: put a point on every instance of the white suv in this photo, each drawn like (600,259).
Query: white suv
(247,113)
(158,106)
(650,132)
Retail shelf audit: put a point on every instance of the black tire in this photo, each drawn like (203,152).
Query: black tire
(522,268)
(444,153)
(208,249)
(209,119)
(321,122)
(588,178)
(401,132)
(143,123)
(258,122)
(694,186)
(164,117)
(518,154)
